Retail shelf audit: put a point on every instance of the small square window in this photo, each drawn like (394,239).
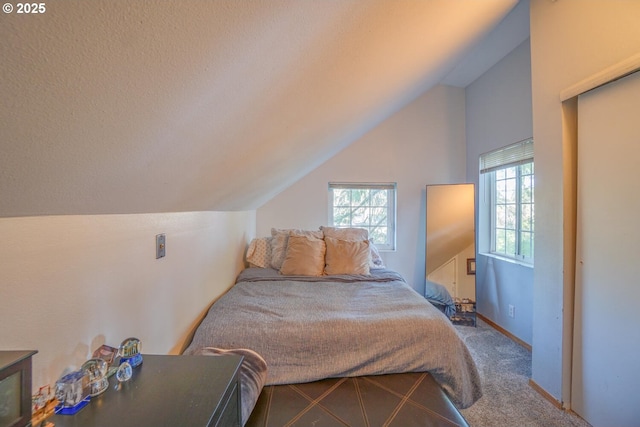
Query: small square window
(365,205)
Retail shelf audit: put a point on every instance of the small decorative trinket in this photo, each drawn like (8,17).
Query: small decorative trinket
(129,351)
(124,372)
(40,399)
(72,393)
(43,405)
(96,370)
(106,352)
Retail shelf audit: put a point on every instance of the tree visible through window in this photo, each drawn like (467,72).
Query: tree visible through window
(369,206)
(513,211)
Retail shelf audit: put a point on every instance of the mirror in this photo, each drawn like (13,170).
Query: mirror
(451,251)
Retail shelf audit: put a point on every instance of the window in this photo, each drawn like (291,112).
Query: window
(370,206)
(507,182)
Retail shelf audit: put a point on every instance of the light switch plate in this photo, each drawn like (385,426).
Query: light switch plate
(160,245)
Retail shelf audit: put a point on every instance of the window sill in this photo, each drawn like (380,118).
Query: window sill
(507,259)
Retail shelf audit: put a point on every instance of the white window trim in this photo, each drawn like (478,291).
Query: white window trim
(521,259)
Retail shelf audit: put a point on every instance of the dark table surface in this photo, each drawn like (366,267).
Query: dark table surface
(164,391)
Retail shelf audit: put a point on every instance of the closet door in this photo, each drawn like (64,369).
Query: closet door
(606,372)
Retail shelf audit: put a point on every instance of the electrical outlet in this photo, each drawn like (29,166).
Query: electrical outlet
(160,245)
(512,311)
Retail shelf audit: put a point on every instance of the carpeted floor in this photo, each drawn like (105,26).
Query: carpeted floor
(508,400)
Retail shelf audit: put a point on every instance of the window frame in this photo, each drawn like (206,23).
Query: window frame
(519,229)
(517,156)
(391,214)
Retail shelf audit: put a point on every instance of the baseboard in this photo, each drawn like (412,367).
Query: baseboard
(546,395)
(555,402)
(541,391)
(504,331)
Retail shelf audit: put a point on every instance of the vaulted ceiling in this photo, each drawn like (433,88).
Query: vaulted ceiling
(159,106)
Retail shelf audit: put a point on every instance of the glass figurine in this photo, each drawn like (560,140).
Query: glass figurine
(124,372)
(129,351)
(72,392)
(96,370)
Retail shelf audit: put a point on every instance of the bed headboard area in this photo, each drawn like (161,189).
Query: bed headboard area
(326,251)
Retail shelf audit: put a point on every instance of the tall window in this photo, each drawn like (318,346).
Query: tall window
(365,205)
(508,178)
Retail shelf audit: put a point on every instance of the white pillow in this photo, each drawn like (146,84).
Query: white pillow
(259,252)
(376,259)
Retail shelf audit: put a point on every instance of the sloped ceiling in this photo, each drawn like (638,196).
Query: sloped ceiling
(157,106)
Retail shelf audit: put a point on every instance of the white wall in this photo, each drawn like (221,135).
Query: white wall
(570,40)
(422,144)
(72,283)
(499,113)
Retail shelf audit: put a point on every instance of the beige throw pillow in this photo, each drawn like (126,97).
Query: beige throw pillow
(356,234)
(305,257)
(347,257)
(280,240)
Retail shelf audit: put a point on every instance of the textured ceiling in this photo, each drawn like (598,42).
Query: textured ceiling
(160,106)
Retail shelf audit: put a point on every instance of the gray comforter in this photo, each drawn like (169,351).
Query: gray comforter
(310,328)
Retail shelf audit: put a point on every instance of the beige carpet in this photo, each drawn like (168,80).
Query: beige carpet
(508,400)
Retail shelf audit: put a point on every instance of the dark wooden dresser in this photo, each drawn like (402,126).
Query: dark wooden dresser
(167,391)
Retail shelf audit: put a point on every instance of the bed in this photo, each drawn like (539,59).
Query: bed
(335,312)
(440,297)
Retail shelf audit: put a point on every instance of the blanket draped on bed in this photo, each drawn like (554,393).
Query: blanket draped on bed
(310,328)
(253,373)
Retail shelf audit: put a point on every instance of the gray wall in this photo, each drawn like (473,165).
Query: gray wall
(499,112)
